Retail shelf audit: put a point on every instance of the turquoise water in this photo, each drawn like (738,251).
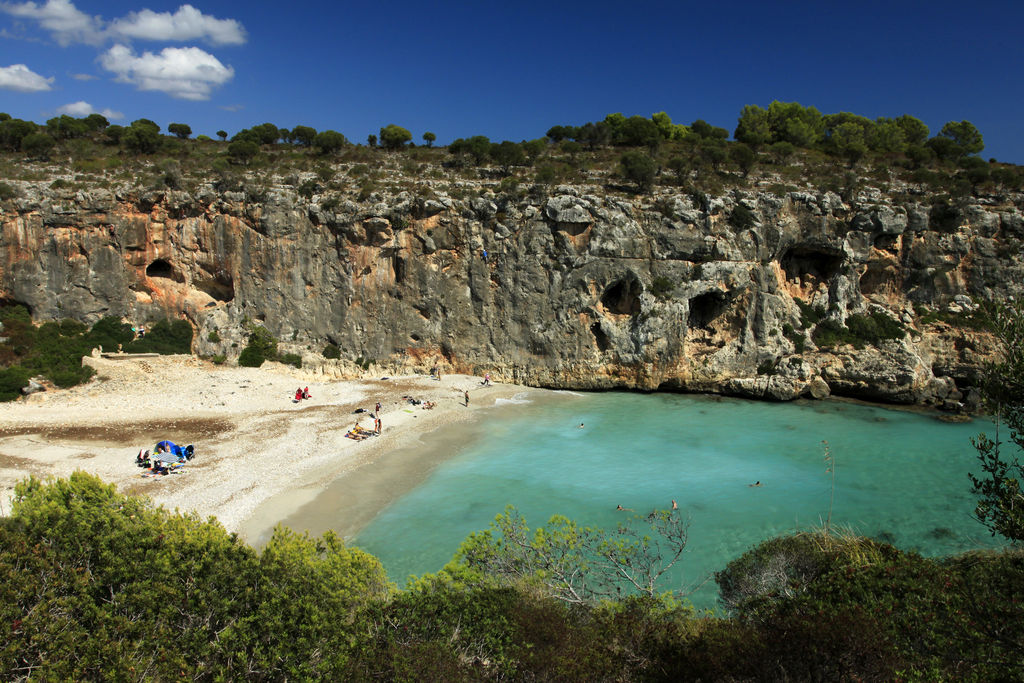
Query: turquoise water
(899,476)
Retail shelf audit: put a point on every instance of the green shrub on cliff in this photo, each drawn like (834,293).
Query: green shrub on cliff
(54,350)
(164,337)
(12,380)
(262,347)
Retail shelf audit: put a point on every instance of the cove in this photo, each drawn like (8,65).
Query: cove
(900,476)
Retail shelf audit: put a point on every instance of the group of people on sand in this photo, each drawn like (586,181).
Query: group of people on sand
(301,394)
(426,405)
(358,432)
(167,457)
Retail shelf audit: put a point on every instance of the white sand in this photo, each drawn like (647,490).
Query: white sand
(259,455)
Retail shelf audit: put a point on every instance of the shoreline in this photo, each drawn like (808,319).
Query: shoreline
(261,458)
(354,498)
(390,468)
(255,445)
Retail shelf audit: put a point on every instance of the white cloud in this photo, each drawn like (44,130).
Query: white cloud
(84,77)
(82,108)
(70,25)
(187,23)
(186,72)
(232,107)
(19,77)
(62,19)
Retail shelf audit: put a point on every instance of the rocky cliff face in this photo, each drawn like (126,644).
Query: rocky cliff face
(579,290)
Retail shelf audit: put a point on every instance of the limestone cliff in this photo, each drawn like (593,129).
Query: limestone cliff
(578,289)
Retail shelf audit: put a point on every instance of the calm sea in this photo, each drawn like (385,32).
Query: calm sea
(900,476)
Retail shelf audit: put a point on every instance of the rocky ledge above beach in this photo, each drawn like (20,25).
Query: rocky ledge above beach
(750,293)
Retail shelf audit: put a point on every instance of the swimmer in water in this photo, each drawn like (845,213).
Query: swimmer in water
(581,425)
(756,483)
(675,505)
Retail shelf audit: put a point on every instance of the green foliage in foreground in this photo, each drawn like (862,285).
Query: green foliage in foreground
(54,350)
(98,586)
(1000,487)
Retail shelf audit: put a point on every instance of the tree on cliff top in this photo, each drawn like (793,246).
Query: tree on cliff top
(394,137)
(964,135)
(182,130)
(1001,496)
(329,141)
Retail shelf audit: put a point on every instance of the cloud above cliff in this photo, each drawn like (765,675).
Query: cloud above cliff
(82,108)
(22,79)
(65,22)
(187,73)
(186,24)
(69,25)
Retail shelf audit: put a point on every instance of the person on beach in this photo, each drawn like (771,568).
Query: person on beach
(298,395)
(376,408)
(305,393)
(376,426)
(465,395)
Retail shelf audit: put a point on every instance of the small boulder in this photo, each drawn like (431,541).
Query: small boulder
(818,388)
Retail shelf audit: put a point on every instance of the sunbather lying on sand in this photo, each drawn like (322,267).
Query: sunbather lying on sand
(359,433)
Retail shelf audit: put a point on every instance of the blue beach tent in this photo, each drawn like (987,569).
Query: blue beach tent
(173,452)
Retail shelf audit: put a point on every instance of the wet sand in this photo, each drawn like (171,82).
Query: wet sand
(352,501)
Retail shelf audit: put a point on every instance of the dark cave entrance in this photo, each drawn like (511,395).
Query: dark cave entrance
(622,297)
(706,308)
(603,343)
(163,269)
(811,264)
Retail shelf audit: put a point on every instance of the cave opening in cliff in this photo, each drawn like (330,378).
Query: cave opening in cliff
(163,268)
(220,287)
(811,265)
(888,243)
(623,296)
(706,308)
(400,267)
(600,337)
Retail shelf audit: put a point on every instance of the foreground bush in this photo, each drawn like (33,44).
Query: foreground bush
(889,610)
(98,586)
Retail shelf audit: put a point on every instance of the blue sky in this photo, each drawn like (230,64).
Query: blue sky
(511,70)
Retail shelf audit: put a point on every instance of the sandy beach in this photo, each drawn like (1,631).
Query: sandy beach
(259,454)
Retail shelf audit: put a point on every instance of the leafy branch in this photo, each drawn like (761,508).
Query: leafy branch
(577,564)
